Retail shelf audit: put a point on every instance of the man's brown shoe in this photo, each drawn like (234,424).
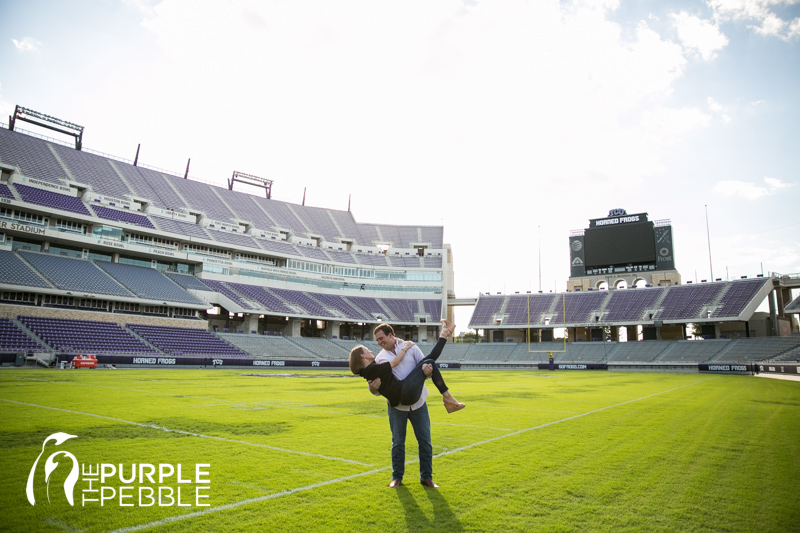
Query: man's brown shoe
(429,483)
(395,483)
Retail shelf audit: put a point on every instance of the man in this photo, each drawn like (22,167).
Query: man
(400,415)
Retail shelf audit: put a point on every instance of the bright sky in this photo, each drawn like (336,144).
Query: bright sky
(497,120)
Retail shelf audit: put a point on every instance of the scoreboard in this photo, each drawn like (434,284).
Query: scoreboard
(621,243)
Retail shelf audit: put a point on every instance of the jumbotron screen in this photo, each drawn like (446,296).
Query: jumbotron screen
(620,245)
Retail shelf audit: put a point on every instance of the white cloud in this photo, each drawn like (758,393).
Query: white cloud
(794,28)
(28,44)
(701,37)
(516,88)
(759,13)
(749,190)
(719,109)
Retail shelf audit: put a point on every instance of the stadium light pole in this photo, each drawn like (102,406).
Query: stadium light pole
(540,259)
(708,234)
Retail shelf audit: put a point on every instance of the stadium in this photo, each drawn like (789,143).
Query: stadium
(177,291)
(138,267)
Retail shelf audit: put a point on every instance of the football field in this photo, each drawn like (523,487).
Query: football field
(219,450)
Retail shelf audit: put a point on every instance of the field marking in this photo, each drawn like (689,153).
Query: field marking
(520,409)
(258,404)
(61,525)
(547,424)
(175,395)
(189,433)
(289,492)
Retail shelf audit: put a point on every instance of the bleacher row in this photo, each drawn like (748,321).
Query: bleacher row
(50,162)
(104,278)
(682,302)
(36,334)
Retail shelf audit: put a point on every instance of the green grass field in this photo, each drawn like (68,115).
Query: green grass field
(533,451)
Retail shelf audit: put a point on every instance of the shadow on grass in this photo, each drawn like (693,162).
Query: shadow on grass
(443,517)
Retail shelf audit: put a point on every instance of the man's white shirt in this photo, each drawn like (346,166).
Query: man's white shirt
(411,360)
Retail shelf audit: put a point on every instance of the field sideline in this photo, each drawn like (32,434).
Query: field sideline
(309,451)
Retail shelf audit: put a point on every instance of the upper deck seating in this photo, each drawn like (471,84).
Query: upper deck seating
(630,304)
(402,310)
(262,296)
(187,281)
(485,309)
(181,228)
(51,199)
(147,283)
(527,308)
(94,169)
(118,215)
(369,306)
(75,274)
(738,295)
(31,155)
(5,192)
(303,301)
(222,288)
(433,308)
(685,301)
(339,303)
(579,306)
(14,271)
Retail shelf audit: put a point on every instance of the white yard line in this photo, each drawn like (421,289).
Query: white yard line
(189,433)
(289,492)
(258,404)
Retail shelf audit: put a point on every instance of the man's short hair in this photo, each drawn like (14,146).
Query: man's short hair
(385,328)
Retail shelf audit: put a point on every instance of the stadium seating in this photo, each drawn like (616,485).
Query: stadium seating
(579,306)
(401,310)
(14,271)
(122,216)
(340,304)
(485,309)
(737,296)
(528,309)
(5,192)
(93,169)
(301,300)
(181,228)
(32,156)
(186,342)
(75,274)
(188,281)
(148,283)
(52,199)
(84,336)
(270,301)
(630,305)
(686,300)
(223,288)
(15,339)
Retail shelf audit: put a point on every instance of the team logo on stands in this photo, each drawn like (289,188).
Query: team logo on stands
(131,485)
